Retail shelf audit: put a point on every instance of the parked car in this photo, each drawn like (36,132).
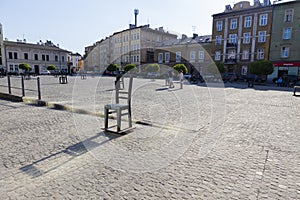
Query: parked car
(229,76)
(208,77)
(45,72)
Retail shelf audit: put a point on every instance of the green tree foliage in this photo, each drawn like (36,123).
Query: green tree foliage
(51,67)
(112,67)
(216,68)
(154,67)
(263,67)
(181,67)
(25,66)
(129,67)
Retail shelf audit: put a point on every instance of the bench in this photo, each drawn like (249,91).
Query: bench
(296,89)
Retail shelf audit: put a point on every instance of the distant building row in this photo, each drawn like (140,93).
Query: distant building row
(39,56)
(240,35)
(246,33)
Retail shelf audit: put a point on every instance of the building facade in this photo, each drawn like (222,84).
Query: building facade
(285,40)
(242,34)
(194,52)
(134,45)
(39,56)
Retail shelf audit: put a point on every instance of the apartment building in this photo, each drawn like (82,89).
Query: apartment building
(285,40)
(242,34)
(134,45)
(39,56)
(194,52)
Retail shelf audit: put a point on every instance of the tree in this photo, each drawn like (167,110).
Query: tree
(154,67)
(129,67)
(51,67)
(181,67)
(112,67)
(25,66)
(263,67)
(216,68)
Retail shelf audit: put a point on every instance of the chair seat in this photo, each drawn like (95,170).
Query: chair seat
(116,106)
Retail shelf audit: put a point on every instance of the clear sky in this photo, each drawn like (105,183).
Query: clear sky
(75,24)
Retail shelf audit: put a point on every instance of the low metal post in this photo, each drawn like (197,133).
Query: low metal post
(9,85)
(39,87)
(23,88)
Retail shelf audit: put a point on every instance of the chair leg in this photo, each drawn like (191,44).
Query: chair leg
(105,118)
(118,120)
(129,118)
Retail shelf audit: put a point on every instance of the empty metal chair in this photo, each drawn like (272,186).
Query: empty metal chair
(119,107)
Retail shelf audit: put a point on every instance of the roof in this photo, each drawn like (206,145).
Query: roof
(48,45)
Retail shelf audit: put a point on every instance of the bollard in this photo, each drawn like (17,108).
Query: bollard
(23,88)
(39,88)
(9,86)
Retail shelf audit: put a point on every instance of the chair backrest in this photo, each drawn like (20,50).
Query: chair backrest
(122,93)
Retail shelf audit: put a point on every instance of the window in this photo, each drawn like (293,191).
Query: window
(246,39)
(218,39)
(43,57)
(232,38)
(36,56)
(16,68)
(56,58)
(233,23)
(245,55)
(201,55)
(160,58)
(11,68)
(192,56)
(26,56)
(231,54)
(178,56)
(167,57)
(10,55)
(289,15)
(287,33)
(263,19)
(260,54)
(15,55)
(218,55)
(47,57)
(219,25)
(63,58)
(284,52)
(248,22)
(262,36)
(244,70)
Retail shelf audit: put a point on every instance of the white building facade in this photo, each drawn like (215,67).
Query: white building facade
(39,56)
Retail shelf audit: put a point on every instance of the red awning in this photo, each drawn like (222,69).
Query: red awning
(286,64)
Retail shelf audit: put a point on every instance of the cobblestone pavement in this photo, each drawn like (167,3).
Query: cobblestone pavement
(204,143)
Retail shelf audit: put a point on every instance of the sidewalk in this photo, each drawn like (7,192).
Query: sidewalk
(205,143)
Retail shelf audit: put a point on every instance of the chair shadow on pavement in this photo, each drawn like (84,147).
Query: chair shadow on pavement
(74,151)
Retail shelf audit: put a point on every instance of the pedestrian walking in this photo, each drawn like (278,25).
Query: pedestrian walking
(171,75)
(181,79)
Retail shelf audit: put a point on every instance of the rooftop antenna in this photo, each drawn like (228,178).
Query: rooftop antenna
(136,12)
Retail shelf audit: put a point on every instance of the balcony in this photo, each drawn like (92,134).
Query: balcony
(231,45)
(230,61)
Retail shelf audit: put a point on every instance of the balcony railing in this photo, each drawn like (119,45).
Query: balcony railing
(231,45)
(230,61)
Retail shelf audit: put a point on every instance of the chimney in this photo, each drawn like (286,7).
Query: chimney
(136,12)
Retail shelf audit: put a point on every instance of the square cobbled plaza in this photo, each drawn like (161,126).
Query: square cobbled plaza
(207,141)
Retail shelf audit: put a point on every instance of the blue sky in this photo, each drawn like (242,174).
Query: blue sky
(75,24)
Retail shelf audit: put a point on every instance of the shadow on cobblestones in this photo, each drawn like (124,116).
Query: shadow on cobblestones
(73,151)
